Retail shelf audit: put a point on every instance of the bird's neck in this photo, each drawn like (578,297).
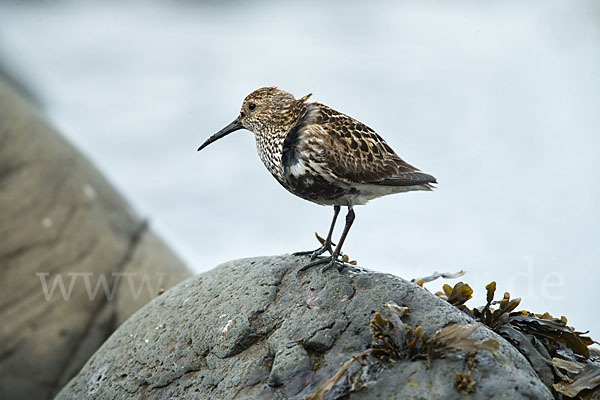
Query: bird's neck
(269,139)
(270,150)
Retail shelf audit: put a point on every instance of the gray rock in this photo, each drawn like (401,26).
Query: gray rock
(253,329)
(289,361)
(60,219)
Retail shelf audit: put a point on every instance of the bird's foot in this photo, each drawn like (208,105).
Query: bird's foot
(326,245)
(330,262)
(315,253)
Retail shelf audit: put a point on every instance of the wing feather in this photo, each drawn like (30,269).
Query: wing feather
(353,152)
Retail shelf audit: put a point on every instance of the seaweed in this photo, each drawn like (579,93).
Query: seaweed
(457,295)
(577,378)
(327,385)
(463,381)
(559,354)
(457,337)
(392,341)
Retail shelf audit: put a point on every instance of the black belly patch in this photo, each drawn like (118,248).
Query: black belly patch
(315,188)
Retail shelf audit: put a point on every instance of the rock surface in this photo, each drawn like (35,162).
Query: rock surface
(253,329)
(59,218)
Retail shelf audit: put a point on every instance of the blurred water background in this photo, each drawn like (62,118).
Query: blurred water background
(499,101)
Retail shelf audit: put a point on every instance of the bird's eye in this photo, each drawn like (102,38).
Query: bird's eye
(251,106)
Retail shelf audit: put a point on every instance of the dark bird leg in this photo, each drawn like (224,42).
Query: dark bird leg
(327,244)
(333,259)
(349,220)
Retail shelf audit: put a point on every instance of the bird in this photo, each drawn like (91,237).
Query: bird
(323,156)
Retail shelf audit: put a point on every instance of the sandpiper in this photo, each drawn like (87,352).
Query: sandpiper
(324,156)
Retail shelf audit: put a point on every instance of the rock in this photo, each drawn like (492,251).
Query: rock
(253,329)
(60,219)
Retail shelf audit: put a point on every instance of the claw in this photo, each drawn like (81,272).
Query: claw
(325,246)
(314,253)
(331,262)
(313,263)
(303,253)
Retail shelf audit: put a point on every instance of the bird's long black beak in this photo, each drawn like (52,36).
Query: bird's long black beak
(232,127)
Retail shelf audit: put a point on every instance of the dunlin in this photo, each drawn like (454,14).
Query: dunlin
(324,156)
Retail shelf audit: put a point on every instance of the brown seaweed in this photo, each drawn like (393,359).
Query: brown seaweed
(559,354)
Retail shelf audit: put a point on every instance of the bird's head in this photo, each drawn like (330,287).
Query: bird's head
(265,111)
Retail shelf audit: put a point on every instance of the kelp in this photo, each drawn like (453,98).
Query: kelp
(457,295)
(558,353)
(584,377)
(463,380)
(457,337)
(392,340)
(323,391)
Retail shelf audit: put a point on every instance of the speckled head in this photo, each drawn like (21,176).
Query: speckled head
(266,111)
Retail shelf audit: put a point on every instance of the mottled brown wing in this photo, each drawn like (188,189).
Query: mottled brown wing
(355,153)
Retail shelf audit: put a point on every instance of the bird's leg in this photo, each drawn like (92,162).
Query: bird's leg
(349,220)
(327,244)
(333,259)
